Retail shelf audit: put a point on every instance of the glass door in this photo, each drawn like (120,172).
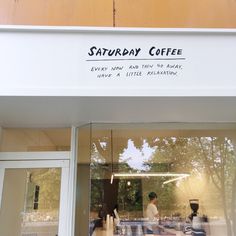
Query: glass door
(33,197)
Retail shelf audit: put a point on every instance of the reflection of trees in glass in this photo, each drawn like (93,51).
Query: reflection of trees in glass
(218,160)
(212,157)
(98,169)
(130,196)
(129,191)
(210,161)
(98,165)
(169,156)
(97,193)
(49,181)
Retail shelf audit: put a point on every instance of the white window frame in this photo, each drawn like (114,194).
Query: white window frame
(42,160)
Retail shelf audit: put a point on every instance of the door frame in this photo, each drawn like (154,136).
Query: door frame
(19,160)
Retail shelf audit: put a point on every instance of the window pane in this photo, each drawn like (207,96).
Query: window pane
(19,140)
(30,203)
(180,163)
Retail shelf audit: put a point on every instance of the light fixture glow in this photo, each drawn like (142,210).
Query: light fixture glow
(112,177)
(166,174)
(175,179)
(177,176)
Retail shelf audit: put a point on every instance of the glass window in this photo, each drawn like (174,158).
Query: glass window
(190,167)
(30,202)
(26,140)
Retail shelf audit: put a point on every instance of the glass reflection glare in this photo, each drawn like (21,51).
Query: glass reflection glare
(207,157)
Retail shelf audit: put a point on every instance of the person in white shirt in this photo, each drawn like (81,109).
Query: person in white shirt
(152,213)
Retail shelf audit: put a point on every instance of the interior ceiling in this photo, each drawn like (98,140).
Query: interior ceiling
(67,111)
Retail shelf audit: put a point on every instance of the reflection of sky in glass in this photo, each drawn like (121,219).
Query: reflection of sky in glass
(135,157)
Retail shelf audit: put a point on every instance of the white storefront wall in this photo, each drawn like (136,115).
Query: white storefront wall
(46,66)
(55,61)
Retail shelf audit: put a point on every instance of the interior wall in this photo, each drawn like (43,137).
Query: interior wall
(83,182)
(82,200)
(23,140)
(12,202)
(127,13)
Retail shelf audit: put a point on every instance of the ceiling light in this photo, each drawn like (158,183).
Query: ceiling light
(112,177)
(175,179)
(177,176)
(157,174)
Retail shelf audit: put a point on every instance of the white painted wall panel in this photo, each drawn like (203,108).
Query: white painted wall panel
(54,62)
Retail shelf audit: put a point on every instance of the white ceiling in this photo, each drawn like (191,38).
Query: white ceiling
(67,111)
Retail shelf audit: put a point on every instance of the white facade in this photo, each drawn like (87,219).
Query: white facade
(64,77)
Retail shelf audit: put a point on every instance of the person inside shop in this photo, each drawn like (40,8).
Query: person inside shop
(102,213)
(152,214)
(114,208)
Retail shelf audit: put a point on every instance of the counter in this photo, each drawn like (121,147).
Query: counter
(135,224)
(102,232)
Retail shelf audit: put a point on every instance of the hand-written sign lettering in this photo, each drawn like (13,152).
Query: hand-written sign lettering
(136,62)
(153,51)
(143,71)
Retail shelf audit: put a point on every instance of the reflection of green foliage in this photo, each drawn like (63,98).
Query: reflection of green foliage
(130,197)
(211,157)
(49,181)
(218,160)
(96,195)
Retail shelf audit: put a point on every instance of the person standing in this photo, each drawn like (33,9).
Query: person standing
(152,214)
